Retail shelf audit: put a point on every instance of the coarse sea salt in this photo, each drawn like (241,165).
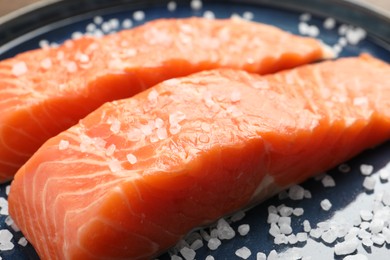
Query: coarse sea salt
(19,68)
(273,255)
(369,183)
(196,5)
(329,23)
(23,241)
(63,144)
(3,206)
(366,169)
(325,204)
(243,252)
(328,181)
(188,253)
(261,256)
(213,243)
(5,240)
(346,247)
(171,6)
(296,192)
(247,15)
(139,15)
(127,23)
(243,229)
(209,14)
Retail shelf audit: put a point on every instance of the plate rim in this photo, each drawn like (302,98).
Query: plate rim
(44,12)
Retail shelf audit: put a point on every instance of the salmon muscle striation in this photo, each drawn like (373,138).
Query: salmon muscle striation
(134,176)
(45,91)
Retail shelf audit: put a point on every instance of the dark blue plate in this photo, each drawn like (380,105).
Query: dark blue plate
(55,22)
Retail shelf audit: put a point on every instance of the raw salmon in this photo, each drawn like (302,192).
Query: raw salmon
(43,92)
(134,176)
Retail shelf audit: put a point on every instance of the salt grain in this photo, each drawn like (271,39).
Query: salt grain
(98,20)
(367,242)
(285,229)
(272,209)
(296,192)
(175,257)
(71,66)
(7,189)
(77,35)
(225,231)
(63,144)
(46,63)
(329,236)
(316,233)
(248,15)
(110,150)
(44,44)
(139,15)
(198,243)
(305,17)
(272,218)
(196,5)
(3,206)
(8,221)
(366,169)
(243,252)
(376,225)
(127,23)
(286,211)
(209,257)
(328,181)
(346,247)
(171,6)
(292,239)
(243,229)
(326,205)
(261,256)
(131,158)
(343,29)
(162,133)
(306,226)
(209,14)
(213,243)
(188,253)
(22,241)
(298,212)
(301,237)
(5,240)
(19,68)
(115,166)
(366,215)
(307,194)
(378,239)
(386,198)
(274,230)
(280,239)
(384,174)
(329,23)
(273,255)
(369,183)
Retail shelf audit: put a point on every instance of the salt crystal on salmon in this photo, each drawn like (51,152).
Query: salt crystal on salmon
(141,200)
(45,91)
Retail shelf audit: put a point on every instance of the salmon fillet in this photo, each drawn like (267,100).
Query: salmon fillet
(45,91)
(130,179)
